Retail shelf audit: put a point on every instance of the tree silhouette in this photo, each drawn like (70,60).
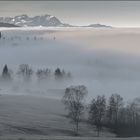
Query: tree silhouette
(6,74)
(73,101)
(25,71)
(97,112)
(115,104)
(58,74)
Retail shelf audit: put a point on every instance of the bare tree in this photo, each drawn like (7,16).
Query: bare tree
(25,71)
(97,112)
(74,103)
(133,109)
(115,104)
(43,74)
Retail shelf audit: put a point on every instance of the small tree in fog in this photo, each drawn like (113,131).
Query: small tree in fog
(43,74)
(66,75)
(69,76)
(58,74)
(62,74)
(5,71)
(97,112)
(25,71)
(6,74)
(27,38)
(35,38)
(73,101)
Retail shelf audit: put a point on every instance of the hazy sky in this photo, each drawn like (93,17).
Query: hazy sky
(115,13)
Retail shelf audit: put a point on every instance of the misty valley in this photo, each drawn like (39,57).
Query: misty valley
(69,82)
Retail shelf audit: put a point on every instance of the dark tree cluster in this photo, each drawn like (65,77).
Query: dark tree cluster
(123,119)
(6,74)
(113,113)
(25,71)
(61,74)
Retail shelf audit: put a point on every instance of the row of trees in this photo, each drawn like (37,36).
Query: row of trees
(120,117)
(27,38)
(18,38)
(26,72)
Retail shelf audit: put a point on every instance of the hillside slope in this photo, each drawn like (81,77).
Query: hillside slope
(36,116)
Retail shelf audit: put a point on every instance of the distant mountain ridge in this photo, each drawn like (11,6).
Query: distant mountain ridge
(44,20)
(24,20)
(98,25)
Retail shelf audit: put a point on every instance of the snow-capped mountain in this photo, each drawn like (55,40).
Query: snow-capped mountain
(24,20)
(44,20)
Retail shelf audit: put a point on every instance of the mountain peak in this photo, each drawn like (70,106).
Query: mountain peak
(24,20)
(42,20)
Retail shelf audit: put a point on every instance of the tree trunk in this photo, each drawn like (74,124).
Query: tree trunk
(77,129)
(98,132)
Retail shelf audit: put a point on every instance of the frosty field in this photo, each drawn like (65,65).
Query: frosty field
(37,118)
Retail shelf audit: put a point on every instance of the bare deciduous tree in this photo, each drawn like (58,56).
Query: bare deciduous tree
(74,103)
(97,112)
(115,104)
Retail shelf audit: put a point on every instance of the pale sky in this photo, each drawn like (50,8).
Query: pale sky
(115,13)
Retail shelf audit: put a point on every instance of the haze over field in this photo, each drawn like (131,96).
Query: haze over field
(69,70)
(104,60)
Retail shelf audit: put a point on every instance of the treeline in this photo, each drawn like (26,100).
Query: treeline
(27,38)
(120,117)
(19,38)
(25,72)
(113,113)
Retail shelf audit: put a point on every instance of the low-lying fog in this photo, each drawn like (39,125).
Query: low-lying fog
(105,60)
